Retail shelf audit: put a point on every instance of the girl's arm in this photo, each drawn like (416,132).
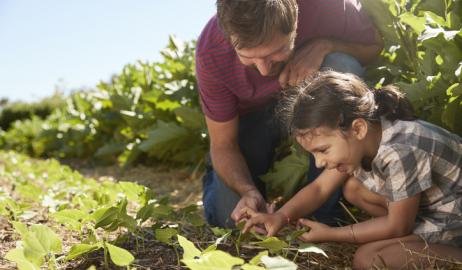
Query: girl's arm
(311,197)
(399,222)
(304,202)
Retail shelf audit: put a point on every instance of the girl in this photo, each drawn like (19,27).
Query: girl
(404,172)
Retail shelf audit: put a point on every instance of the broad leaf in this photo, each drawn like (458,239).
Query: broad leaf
(189,250)
(165,235)
(81,249)
(119,256)
(304,248)
(287,175)
(273,244)
(17,255)
(213,260)
(278,263)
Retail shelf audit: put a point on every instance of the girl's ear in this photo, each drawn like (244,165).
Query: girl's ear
(359,128)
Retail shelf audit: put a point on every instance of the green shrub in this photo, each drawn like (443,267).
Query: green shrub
(149,112)
(422,55)
(11,112)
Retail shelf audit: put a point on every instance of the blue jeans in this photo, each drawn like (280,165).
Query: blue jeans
(258,137)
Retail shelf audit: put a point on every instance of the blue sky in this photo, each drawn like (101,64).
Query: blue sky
(73,44)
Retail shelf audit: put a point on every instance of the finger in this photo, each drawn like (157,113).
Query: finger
(236,215)
(247,211)
(304,237)
(305,222)
(260,230)
(272,231)
(293,77)
(270,208)
(284,75)
(249,224)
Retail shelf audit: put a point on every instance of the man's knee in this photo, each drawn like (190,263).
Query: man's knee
(342,62)
(219,201)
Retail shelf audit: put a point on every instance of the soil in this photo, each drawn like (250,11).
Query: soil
(184,187)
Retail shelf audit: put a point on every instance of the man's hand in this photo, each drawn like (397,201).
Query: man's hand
(272,223)
(305,61)
(251,199)
(318,232)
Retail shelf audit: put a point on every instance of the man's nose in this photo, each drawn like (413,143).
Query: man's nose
(263,66)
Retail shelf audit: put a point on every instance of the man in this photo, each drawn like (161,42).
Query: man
(246,54)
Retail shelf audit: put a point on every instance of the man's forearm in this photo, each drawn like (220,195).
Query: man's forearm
(230,165)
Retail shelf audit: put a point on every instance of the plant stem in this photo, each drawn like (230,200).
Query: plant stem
(106,264)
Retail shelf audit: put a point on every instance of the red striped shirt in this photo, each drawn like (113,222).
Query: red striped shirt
(227,88)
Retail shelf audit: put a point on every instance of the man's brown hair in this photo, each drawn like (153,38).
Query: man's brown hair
(254,22)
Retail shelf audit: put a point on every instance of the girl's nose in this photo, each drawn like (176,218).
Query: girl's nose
(320,163)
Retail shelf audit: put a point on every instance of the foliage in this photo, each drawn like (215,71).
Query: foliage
(422,55)
(147,112)
(11,112)
(102,215)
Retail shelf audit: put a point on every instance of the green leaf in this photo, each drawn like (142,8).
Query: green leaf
(252,267)
(189,250)
(70,217)
(191,118)
(257,259)
(273,244)
(381,13)
(288,175)
(144,213)
(162,210)
(417,23)
(17,255)
(106,217)
(132,190)
(165,235)
(454,90)
(296,233)
(19,227)
(217,231)
(214,246)
(165,137)
(304,248)
(213,260)
(435,6)
(278,263)
(81,249)
(38,242)
(119,256)
(195,219)
(110,149)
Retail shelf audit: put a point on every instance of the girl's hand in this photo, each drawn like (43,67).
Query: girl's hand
(272,223)
(318,232)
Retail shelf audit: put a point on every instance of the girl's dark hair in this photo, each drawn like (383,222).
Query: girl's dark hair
(335,99)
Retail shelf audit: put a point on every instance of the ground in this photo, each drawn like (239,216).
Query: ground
(184,187)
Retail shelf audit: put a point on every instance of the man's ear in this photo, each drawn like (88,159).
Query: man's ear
(359,128)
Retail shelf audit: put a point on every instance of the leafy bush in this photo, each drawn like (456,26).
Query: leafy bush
(11,112)
(422,55)
(147,112)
